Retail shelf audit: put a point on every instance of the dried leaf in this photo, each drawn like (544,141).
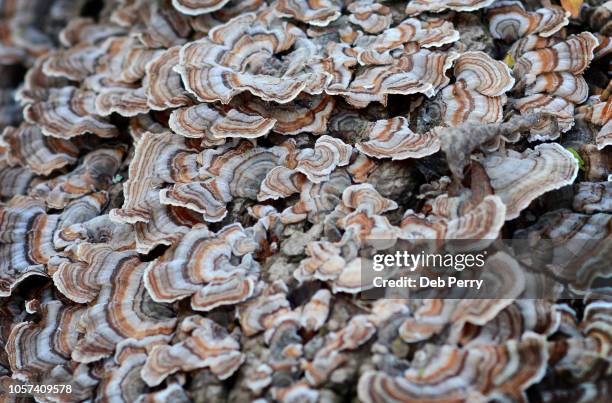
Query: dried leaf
(572,6)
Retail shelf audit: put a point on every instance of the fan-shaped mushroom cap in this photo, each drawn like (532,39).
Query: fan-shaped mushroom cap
(372,17)
(122,308)
(194,121)
(94,173)
(318,199)
(448,372)
(573,55)
(365,198)
(461,105)
(309,164)
(197,7)
(482,73)
(122,381)
(281,182)
(223,65)
(529,43)
(358,331)
(76,63)
(163,86)
(318,162)
(482,222)
(26,232)
(315,312)
(68,112)
(28,147)
(508,20)
(260,313)
(564,85)
(434,315)
(95,230)
(208,345)
(519,178)
(199,265)
(421,72)
(252,118)
(579,264)
(392,138)
(226,172)
(82,280)
(512,322)
(86,30)
(318,13)
(551,72)
(422,6)
(54,336)
(159,157)
(14,180)
(298,392)
(478,95)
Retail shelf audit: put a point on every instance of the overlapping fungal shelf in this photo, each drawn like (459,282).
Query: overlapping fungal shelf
(186,187)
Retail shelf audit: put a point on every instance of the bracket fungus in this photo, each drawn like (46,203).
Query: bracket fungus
(421,6)
(508,20)
(318,13)
(552,78)
(448,372)
(214,280)
(371,16)
(478,94)
(222,65)
(392,138)
(197,7)
(436,315)
(208,345)
(191,190)
(519,178)
(28,147)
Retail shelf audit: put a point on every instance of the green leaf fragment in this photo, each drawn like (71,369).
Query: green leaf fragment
(577,156)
